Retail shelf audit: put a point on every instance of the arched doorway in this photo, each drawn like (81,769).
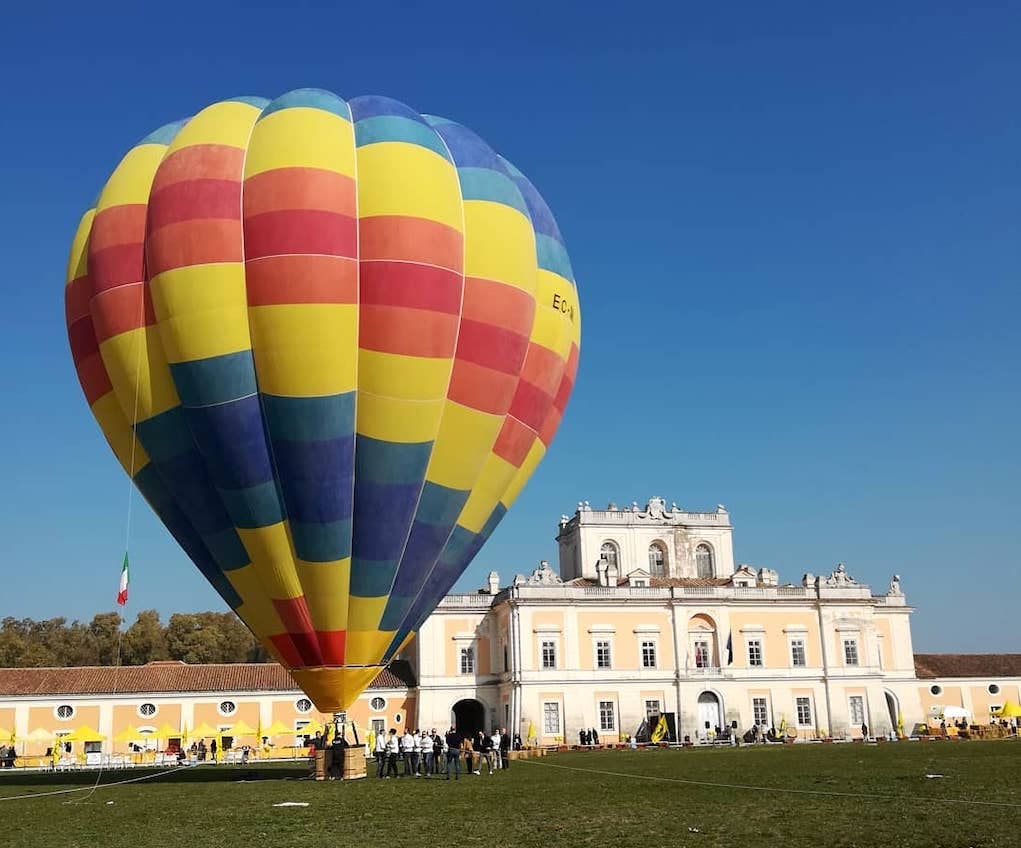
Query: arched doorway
(709,712)
(893,708)
(468,716)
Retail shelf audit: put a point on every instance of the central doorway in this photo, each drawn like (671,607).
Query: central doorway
(468,717)
(709,713)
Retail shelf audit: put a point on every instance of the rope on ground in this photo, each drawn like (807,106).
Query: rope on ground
(782,790)
(89,789)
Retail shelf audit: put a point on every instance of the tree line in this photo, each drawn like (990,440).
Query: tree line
(203,637)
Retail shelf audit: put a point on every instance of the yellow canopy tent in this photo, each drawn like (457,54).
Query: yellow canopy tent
(6,735)
(39,735)
(277,728)
(165,731)
(202,731)
(128,734)
(1009,710)
(239,729)
(84,734)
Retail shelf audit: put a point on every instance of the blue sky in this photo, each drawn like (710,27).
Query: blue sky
(795,232)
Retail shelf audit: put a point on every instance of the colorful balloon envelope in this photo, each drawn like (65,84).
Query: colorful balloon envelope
(330,341)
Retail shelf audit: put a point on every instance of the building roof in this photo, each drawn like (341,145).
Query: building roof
(967,665)
(172,676)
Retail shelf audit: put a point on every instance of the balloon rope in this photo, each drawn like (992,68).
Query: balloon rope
(134,418)
(127,531)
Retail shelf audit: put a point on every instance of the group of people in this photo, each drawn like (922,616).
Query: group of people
(7,756)
(428,754)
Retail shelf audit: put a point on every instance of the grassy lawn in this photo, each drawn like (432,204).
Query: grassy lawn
(565,799)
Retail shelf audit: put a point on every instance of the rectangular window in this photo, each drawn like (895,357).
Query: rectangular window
(856,710)
(378,726)
(754,652)
(606,716)
(506,662)
(701,654)
(850,652)
(648,654)
(651,708)
(603,654)
(467,660)
(804,706)
(551,718)
(798,652)
(760,712)
(549,653)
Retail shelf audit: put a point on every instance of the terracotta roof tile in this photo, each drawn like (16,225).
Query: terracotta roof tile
(967,665)
(172,677)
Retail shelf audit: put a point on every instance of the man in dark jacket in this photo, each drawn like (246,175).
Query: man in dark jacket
(453,739)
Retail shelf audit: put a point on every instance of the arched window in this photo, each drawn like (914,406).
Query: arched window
(657,560)
(704,561)
(608,553)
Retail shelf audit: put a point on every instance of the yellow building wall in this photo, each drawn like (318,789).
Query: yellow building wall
(43,717)
(883,629)
(532,642)
(950,696)
(456,627)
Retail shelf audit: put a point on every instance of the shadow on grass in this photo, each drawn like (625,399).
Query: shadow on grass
(183,774)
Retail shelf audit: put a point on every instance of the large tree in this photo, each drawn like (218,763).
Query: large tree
(205,637)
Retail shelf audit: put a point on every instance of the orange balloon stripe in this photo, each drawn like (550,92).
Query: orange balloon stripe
(410,240)
(543,369)
(213,161)
(299,188)
(276,280)
(489,302)
(195,242)
(116,226)
(481,388)
(118,310)
(514,442)
(406,332)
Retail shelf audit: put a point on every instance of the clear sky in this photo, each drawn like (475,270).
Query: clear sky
(795,232)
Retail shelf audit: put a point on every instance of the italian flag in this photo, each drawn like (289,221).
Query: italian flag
(122,593)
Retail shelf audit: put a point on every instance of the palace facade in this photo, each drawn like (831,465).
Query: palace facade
(648,615)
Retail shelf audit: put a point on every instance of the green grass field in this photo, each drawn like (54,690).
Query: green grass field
(606,799)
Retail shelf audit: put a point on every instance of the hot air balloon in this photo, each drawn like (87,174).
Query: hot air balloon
(329,341)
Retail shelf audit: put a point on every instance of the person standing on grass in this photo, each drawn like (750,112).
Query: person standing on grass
(393,746)
(439,747)
(406,746)
(453,753)
(484,744)
(494,743)
(505,744)
(416,751)
(380,754)
(467,750)
(427,753)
